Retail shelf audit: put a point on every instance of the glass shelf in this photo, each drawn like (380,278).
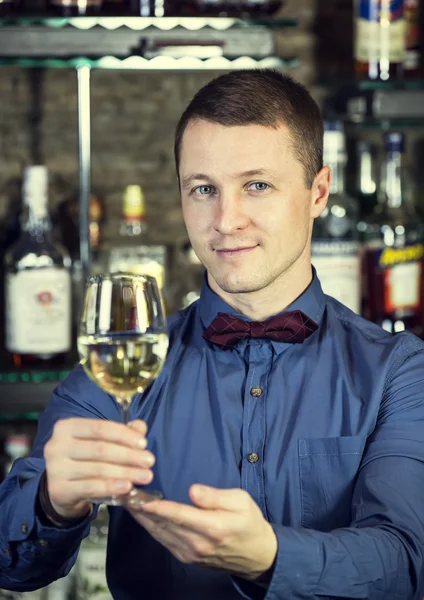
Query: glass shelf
(156,63)
(141,43)
(365,84)
(25,394)
(12,377)
(384,124)
(140,23)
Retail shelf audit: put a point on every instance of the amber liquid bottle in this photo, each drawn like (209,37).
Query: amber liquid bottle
(413,63)
(394,251)
(76,8)
(380,42)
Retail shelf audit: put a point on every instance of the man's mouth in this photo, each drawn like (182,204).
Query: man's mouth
(238,251)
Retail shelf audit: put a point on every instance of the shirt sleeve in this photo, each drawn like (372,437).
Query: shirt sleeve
(33,553)
(380,555)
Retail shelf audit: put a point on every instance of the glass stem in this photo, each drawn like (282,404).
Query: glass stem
(125,405)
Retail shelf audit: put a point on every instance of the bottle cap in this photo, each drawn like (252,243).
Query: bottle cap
(394,142)
(35,188)
(17,445)
(334,142)
(133,207)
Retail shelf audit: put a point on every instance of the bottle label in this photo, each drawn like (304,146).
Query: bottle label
(91,574)
(338,267)
(38,304)
(380,31)
(402,270)
(137,261)
(78,3)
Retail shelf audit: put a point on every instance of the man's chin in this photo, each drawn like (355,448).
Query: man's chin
(237,286)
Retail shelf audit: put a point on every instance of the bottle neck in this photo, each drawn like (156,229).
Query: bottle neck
(36,219)
(337,185)
(392,181)
(366,184)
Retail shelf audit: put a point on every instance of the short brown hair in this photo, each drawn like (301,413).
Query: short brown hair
(260,97)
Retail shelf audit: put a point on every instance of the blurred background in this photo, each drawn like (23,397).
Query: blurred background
(90,94)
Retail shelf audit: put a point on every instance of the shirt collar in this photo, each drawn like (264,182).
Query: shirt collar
(311,302)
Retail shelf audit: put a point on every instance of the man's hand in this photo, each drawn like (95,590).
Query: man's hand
(226,530)
(92,458)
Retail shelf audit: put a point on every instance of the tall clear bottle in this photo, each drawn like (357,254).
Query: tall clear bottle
(394,250)
(76,8)
(91,582)
(38,285)
(335,244)
(380,40)
(132,254)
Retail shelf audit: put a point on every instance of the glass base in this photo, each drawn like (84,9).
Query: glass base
(136,497)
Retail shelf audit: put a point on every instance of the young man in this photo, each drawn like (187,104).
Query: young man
(288,432)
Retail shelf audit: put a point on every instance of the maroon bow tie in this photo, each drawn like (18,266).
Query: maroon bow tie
(293,327)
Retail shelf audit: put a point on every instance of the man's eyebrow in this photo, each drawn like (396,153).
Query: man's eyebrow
(202,177)
(194,177)
(254,173)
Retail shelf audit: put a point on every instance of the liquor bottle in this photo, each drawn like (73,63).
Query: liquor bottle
(61,589)
(366,179)
(15,446)
(91,583)
(132,254)
(394,250)
(380,41)
(121,8)
(335,246)
(76,8)
(8,8)
(67,222)
(134,8)
(413,56)
(38,285)
(236,8)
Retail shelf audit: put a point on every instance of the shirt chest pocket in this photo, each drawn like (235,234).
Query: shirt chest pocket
(328,469)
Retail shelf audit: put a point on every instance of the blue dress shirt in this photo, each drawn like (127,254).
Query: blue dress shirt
(338,430)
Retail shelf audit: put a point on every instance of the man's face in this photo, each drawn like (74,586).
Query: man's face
(247,210)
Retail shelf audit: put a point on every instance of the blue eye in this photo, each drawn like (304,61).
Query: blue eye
(260,186)
(204,190)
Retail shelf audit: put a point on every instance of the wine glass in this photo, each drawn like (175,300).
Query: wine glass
(122,344)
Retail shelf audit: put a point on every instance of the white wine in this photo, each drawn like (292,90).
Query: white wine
(125,364)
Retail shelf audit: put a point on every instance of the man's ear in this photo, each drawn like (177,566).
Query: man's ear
(320,192)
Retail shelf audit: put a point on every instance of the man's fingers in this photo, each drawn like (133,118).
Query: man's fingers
(98,470)
(73,492)
(212,498)
(99,429)
(107,452)
(139,426)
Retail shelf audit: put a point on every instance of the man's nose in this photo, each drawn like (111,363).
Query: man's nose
(230,215)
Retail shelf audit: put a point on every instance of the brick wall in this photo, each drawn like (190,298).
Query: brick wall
(134,115)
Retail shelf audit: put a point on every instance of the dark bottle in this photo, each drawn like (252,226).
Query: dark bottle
(38,285)
(236,8)
(413,63)
(9,8)
(76,8)
(119,8)
(335,247)
(394,251)
(379,39)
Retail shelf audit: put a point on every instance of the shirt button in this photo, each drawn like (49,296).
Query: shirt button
(43,543)
(256,392)
(24,528)
(253,457)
